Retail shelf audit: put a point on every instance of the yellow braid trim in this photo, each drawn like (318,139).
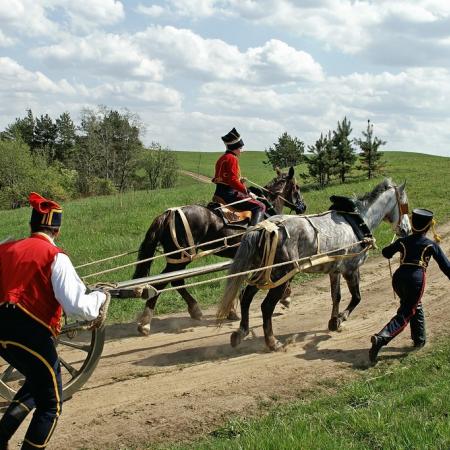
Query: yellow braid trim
(436,236)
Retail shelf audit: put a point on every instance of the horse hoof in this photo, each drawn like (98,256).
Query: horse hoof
(195,312)
(334,324)
(276,346)
(232,315)
(235,338)
(144,330)
(286,302)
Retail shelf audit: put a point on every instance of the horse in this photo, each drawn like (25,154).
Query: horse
(323,243)
(194,225)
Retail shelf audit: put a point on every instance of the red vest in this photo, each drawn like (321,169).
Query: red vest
(25,279)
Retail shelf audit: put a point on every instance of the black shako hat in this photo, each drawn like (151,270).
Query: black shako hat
(45,213)
(422,219)
(233,140)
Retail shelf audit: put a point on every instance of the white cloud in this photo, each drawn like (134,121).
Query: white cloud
(16,78)
(27,17)
(111,55)
(87,13)
(184,51)
(6,41)
(32,18)
(152,10)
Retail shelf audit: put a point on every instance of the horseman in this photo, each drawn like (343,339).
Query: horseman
(229,185)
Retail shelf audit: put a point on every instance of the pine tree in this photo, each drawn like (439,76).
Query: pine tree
(65,138)
(45,132)
(345,153)
(21,129)
(321,161)
(287,152)
(370,157)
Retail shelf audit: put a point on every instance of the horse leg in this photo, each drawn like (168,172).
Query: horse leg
(193,307)
(335,282)
(352,280)
(286,299)
(246,298)
(144,320)
(267,308)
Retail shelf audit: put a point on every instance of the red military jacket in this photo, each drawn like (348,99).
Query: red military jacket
(25,279)
(228,172)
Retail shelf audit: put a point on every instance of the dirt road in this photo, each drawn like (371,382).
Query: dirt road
(185,379)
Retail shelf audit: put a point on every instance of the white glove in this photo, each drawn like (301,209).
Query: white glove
(100,320)
(252,195)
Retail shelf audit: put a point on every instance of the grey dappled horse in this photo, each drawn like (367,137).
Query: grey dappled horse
(205,226)
(299,237)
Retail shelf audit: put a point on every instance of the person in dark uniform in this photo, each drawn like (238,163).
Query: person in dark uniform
(408,280)
(38,282)
(229,185)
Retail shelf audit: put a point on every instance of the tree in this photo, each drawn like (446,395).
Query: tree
(108,147)
(345,154)
(22,172)
(65,138)
(161,166)
(370,157)
(22,129)
(321,161)
(287,152)
(44,138)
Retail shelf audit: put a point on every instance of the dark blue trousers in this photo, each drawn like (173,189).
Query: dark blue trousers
(408,284)
(29,347)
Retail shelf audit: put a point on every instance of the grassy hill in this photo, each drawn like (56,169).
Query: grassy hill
(100,227)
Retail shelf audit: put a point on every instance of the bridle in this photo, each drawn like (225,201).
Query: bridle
(291,205)
(403,209)
(276,194)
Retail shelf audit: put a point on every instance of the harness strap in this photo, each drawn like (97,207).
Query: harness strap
(185,255)
(263,279)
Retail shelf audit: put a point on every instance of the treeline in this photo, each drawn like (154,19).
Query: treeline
(103,154)
(333,156)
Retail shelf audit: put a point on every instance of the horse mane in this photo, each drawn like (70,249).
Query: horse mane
(368,198)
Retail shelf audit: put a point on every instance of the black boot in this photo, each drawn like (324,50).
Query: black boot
(377,343)
(417,324)
(257,216)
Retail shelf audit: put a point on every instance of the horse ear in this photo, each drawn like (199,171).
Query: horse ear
(402,186)
(278,171)
(291,173)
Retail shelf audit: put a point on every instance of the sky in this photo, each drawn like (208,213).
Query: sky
(194,69)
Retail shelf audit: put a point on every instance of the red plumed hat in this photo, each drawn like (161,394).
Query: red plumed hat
(46,213)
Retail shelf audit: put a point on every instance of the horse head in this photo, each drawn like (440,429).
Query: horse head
(284,190)
(397,216)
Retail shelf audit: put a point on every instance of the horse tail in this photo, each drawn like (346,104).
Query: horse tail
(148,246)
(246,258)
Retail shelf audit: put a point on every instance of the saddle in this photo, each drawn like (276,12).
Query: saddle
(349,210)
(231,217)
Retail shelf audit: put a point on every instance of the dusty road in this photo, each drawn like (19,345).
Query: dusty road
(185,379)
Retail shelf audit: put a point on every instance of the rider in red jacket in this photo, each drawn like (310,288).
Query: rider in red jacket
(229,186)
(38,282)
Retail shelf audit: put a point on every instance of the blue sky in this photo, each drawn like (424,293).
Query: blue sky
(194,69)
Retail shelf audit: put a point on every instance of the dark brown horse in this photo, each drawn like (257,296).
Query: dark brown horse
(184,227)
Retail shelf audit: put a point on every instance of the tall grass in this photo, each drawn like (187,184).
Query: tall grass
(95,228)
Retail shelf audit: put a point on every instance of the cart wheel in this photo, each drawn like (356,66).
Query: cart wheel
(79,353)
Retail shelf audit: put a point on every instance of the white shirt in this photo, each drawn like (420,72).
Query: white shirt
(70,291)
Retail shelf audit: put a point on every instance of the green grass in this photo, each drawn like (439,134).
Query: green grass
(99,227)
(405,405)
